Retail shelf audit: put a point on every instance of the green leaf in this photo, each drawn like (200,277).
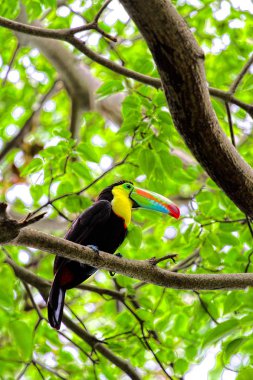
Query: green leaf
(34,166)
(23,335)
(233,347)
(245,374)
(135,236)
(109,88)
(220,332)
(87,152)
(181,366)
(81,170)
(147,160)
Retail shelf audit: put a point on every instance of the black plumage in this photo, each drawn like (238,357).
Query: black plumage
(98,226)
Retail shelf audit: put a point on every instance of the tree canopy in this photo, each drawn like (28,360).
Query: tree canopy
(157,93)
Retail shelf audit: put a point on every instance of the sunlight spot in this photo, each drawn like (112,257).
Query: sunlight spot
(128,141)
(63,11)
(90,307)
(117,13)
(170,233)
(98,141)
(106,162)
(13,76)
(223,12)
(34,53)
(141,178)
(25,61)
(17,112)
(20,191)
(236,24)
(19,159)
(245,5)
(49,106)
(150,365)
(53,142)
(100,277)
(11,130)
(23,257)
(76,21)
(93,39)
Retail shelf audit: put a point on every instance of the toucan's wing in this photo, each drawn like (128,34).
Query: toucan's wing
(97,214)
(83,226)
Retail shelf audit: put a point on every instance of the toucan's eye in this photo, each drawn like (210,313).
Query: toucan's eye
(128,186)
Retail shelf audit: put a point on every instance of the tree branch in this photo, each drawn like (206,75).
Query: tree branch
(138,269)
(179,60)
(67,35)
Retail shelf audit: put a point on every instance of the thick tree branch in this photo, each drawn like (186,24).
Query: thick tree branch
(179,60)
(68,36)
(138,269)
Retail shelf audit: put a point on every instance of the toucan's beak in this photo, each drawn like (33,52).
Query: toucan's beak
(153,201)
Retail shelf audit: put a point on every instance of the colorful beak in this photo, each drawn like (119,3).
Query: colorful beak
(153,201)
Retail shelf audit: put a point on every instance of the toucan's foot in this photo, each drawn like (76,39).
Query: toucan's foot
(94,248)
(112,274)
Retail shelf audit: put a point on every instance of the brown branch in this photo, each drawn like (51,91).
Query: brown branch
(11,63)
(138,269)
(228,97)
(180,63)
(66,35)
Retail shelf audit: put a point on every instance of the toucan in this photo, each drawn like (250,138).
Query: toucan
(103,226)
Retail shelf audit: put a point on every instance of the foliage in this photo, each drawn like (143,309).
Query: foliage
(180,326)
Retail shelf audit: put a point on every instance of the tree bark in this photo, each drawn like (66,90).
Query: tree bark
(180,62)
(139,269)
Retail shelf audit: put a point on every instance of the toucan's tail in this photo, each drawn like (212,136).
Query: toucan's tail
(55,304)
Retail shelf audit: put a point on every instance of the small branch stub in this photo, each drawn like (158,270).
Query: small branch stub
(10,228)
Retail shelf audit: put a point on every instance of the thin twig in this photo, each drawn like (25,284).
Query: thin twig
(204,306)
(154,261)
(39,370)
(240,76)
(19,377)
(10,64)
(37,363)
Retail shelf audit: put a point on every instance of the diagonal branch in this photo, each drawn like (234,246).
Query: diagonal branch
(180,62)
(68,36)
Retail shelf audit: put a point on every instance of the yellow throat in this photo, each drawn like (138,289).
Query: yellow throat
(122,204)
